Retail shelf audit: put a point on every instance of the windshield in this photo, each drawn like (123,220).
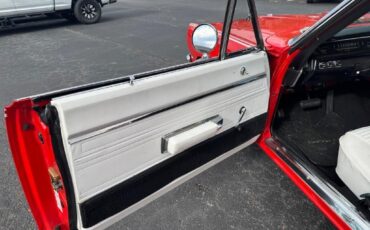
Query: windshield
(363,20)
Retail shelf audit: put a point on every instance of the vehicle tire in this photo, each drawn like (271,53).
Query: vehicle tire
(87,11)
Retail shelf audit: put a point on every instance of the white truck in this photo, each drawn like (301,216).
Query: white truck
(83,11)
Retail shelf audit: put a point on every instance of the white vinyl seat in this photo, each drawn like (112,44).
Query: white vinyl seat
(353,165)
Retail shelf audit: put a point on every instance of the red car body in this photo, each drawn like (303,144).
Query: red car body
(33,151)
(276,31)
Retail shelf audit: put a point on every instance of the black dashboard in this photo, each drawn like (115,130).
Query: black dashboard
(346,54)
(352,46)
(348,57)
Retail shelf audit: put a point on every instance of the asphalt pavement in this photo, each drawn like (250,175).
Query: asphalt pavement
(246,191)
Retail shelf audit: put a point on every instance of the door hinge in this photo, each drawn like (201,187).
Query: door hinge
(56,180)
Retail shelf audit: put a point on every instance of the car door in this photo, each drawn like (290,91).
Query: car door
(33,6)
(62,4)
(7,8)
(88,156)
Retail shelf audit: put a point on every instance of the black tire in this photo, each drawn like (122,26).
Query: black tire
(87,11)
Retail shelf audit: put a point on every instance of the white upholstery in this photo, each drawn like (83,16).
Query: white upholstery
(104,148)
(354,160)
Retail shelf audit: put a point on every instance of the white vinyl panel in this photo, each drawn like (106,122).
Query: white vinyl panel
(108,166)
(152,124)
(112,155)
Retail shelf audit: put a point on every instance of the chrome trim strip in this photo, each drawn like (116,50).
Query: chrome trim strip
(332,197)
(163,109)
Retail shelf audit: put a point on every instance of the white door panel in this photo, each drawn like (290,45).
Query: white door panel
(63,4)
(7,8)
(33,6)
(130,149)
(115,133)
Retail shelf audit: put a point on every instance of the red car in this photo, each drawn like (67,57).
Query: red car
(298,85)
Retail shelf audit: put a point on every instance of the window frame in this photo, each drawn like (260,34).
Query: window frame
(228,20)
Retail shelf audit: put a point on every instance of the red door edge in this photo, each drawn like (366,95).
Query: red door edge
(31,147)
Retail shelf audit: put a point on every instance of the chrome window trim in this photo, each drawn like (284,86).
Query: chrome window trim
(331,196)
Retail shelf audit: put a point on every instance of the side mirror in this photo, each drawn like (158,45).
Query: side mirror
(204,38)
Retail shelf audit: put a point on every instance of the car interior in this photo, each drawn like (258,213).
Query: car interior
(325,117)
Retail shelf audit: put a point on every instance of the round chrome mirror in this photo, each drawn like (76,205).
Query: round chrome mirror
(204,38)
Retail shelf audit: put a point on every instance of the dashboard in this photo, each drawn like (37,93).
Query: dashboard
(346,57)
(344,47)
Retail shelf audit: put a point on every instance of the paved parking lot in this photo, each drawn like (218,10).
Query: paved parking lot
(246,191)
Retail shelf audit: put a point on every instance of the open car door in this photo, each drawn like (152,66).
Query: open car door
(89,156)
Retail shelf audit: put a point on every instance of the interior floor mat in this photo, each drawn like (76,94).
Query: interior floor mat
(320,142)
(317,131)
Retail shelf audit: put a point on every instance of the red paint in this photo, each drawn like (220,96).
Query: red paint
(32,160)
(276,31)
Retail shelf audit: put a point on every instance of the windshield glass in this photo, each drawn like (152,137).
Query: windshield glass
(363,20)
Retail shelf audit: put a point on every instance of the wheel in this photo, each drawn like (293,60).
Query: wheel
(87,11)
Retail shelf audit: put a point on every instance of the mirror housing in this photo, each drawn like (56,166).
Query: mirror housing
(204,38)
